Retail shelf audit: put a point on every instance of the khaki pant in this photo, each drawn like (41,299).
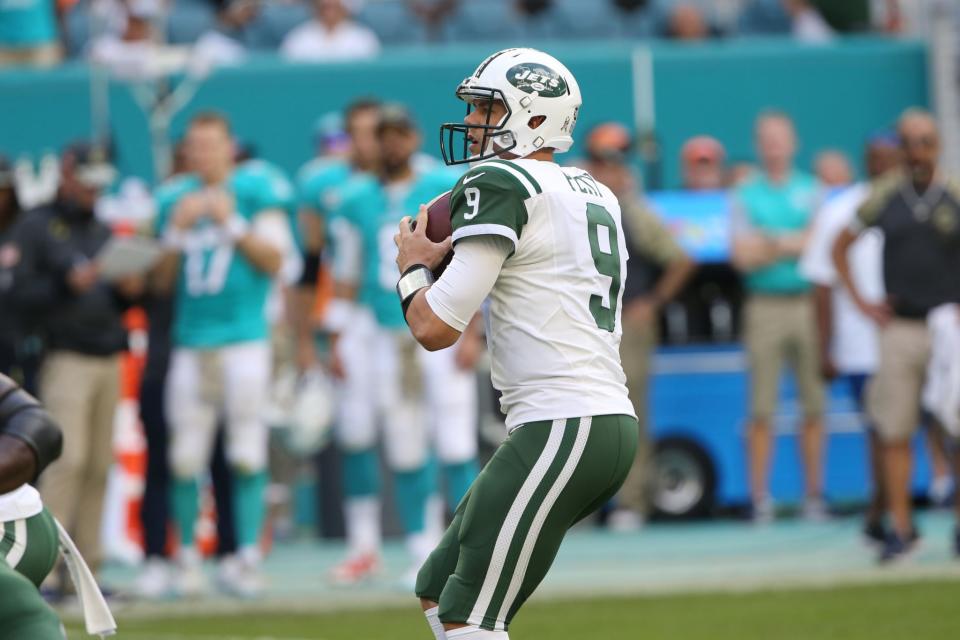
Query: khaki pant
(81,393)
(636,348)
(893,397)
(43,56)
(778,329)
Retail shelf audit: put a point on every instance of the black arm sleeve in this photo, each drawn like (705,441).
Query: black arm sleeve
(311,269)
(22,417)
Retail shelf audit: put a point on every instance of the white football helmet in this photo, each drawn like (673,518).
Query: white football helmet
(301,407)
(530,83)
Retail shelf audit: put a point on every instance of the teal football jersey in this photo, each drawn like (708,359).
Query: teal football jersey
(375,210)
(319,185)
(220,296)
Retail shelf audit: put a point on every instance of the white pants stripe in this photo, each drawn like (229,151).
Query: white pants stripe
(512,521)
(583,432)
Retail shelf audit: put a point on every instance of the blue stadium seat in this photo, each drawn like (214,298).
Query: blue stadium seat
(764,17)
(638,24)
(392,21)
(544,25)
(188,20)
(582,20)
(490,20)
(76,25)
(275,21)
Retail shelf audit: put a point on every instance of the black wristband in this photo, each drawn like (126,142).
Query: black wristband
(311,269)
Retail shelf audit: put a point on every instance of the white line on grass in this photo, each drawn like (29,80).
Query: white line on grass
(149,635)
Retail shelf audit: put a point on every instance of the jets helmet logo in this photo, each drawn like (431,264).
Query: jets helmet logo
(535,77)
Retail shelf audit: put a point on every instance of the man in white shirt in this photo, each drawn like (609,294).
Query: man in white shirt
(331,35)
(848,339)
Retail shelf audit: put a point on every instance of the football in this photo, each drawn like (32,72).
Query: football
(438,226)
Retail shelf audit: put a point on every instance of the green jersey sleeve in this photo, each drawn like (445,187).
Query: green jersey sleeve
(489,200)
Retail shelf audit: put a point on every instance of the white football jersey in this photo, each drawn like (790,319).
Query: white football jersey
(553,323)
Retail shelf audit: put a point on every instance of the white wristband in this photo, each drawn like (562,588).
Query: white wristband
(174,239)
(236,228)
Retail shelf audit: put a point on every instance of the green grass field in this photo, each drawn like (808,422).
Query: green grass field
(911,611)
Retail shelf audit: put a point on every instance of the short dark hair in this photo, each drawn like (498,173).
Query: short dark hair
(203,118)
(355,107)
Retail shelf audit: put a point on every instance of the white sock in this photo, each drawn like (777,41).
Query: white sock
(362,520)
(189,557)
(433,619)
(436,523)
(250,555)
(476,633)
(420,545)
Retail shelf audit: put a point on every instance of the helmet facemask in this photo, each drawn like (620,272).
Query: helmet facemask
(495,139)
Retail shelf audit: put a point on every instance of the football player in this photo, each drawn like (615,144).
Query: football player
(546,245)
(30,539)
(418,396)
(29,546)
(226,230)
(318,187)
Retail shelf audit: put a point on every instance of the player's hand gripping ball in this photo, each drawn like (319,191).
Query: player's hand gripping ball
(438,232)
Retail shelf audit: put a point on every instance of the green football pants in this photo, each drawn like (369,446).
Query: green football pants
(31,545)
(23,613)
(507,530)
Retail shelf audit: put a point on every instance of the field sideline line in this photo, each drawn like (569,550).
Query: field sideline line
(150,635)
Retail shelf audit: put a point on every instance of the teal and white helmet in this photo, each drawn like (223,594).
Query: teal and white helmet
(530,83)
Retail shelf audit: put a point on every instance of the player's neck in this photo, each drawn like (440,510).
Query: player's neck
(214,178)
(543,155)
(396,174)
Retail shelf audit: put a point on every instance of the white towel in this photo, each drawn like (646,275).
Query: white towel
(941,395)
(96,614)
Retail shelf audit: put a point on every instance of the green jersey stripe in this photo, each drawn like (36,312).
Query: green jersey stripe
(556,488)
(508,530)
(526,174)
(9,536)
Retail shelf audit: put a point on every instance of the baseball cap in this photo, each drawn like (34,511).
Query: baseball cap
(329,133)
(702,149)
(395,116)
(609,141)
(92,164)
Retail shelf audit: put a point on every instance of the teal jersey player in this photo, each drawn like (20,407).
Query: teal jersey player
(319,183)
(374,210)
(319,187)
(220,296)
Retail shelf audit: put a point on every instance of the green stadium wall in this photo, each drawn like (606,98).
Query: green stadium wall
(838,95)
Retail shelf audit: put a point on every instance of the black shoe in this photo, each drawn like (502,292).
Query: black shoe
(875,534)
(956,541)
(896,548)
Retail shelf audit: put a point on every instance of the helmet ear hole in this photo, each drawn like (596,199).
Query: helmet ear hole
(536,121)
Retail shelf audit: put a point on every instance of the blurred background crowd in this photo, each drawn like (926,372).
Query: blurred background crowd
(751,253)
(43,32)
